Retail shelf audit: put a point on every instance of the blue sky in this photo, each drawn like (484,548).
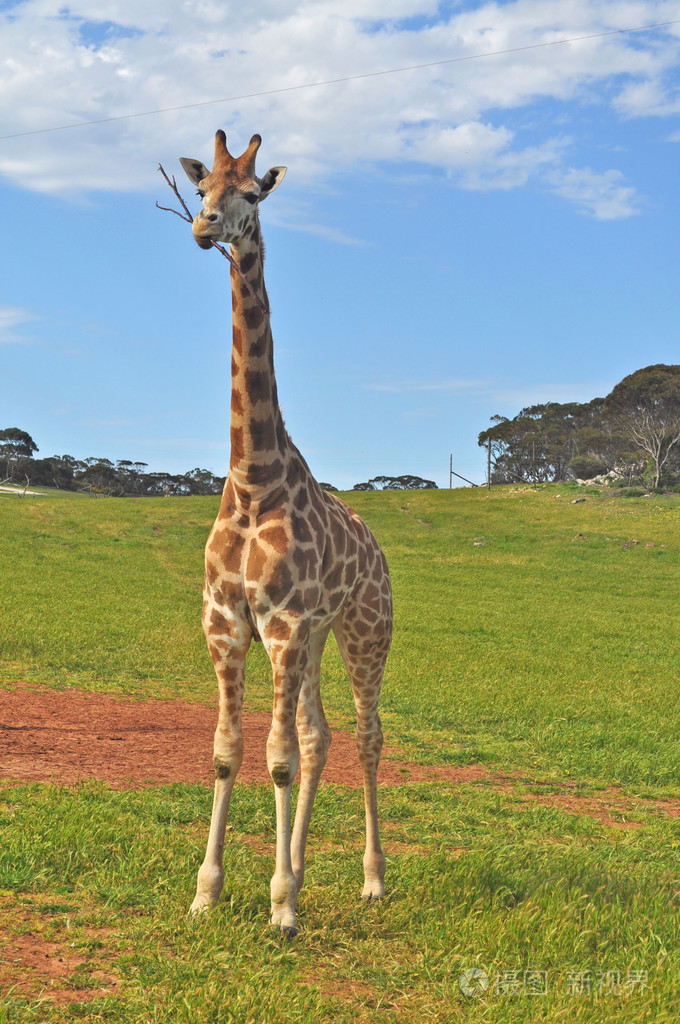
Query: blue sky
(449,243)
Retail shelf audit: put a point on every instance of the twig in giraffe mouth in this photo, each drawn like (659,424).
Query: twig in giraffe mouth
(173,185)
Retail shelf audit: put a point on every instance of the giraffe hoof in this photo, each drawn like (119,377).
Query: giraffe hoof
(284,922)
(201,905)
(373,891)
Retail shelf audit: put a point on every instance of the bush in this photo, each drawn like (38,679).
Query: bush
(631,492)
(585,467)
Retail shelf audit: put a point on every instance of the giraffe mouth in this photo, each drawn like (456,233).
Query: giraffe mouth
(204,241)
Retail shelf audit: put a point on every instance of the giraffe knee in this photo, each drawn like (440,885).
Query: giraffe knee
(282,762)
(223,769)
(283,756)
(369,743)
(227,757)
(314,747)
(283,772)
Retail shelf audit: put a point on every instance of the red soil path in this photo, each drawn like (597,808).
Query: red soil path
(64,736)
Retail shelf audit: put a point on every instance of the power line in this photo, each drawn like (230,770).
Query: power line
(336,81)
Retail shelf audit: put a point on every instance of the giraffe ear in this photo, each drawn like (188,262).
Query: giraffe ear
(195,170)
(271,180)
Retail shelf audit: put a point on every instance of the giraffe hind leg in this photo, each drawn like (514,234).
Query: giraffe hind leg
(364,652)
(314,738)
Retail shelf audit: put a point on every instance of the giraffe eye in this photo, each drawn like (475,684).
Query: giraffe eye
(199,194)
(251,198)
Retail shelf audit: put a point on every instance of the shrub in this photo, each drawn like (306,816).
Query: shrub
(585,467)
(631,492)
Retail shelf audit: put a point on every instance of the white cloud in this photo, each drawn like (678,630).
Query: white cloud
(480,156)
(61,66)
(296,216)
(512,399)
(643,98)
(456,384)
(503,396)
(11,318)
(604,196)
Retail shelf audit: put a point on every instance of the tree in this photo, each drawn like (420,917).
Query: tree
(554,441)
(647,406)
(539,442)
(396,483)
(99,476)
(511,451)
(15,444)
(202,481)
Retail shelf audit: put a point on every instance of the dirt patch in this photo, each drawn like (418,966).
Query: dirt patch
(55,968)
(609,806)
(343,989)
(611,802)
(65,736)
(605,809)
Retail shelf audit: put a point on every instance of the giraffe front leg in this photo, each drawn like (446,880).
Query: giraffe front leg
(227,757)
(210,878)
(283,757)
(283,884)
(282,761)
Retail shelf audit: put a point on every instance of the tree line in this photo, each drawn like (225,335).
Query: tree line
(124,478)
(395,483)
(96,476)
(632,433)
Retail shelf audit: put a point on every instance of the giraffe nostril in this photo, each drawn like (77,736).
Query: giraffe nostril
(212,217)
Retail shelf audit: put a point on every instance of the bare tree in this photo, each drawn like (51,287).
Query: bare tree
(647,403)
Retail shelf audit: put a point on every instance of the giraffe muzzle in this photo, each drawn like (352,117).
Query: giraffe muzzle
(205,229)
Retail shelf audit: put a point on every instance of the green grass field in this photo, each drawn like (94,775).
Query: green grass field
(535,636)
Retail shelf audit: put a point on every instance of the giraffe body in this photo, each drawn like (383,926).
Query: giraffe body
(286,563)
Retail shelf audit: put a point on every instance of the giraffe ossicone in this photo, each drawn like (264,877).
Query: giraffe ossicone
(285,563)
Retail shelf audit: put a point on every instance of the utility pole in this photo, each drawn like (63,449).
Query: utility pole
(450,470)
(488,465)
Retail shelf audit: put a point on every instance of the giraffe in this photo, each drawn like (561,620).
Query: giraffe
(286,562)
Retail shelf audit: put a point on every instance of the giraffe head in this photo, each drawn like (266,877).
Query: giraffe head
(230,192)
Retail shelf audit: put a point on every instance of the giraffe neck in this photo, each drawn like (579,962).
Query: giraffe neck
(259,443)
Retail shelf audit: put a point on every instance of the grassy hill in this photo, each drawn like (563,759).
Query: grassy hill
(529,630)
(533,635)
